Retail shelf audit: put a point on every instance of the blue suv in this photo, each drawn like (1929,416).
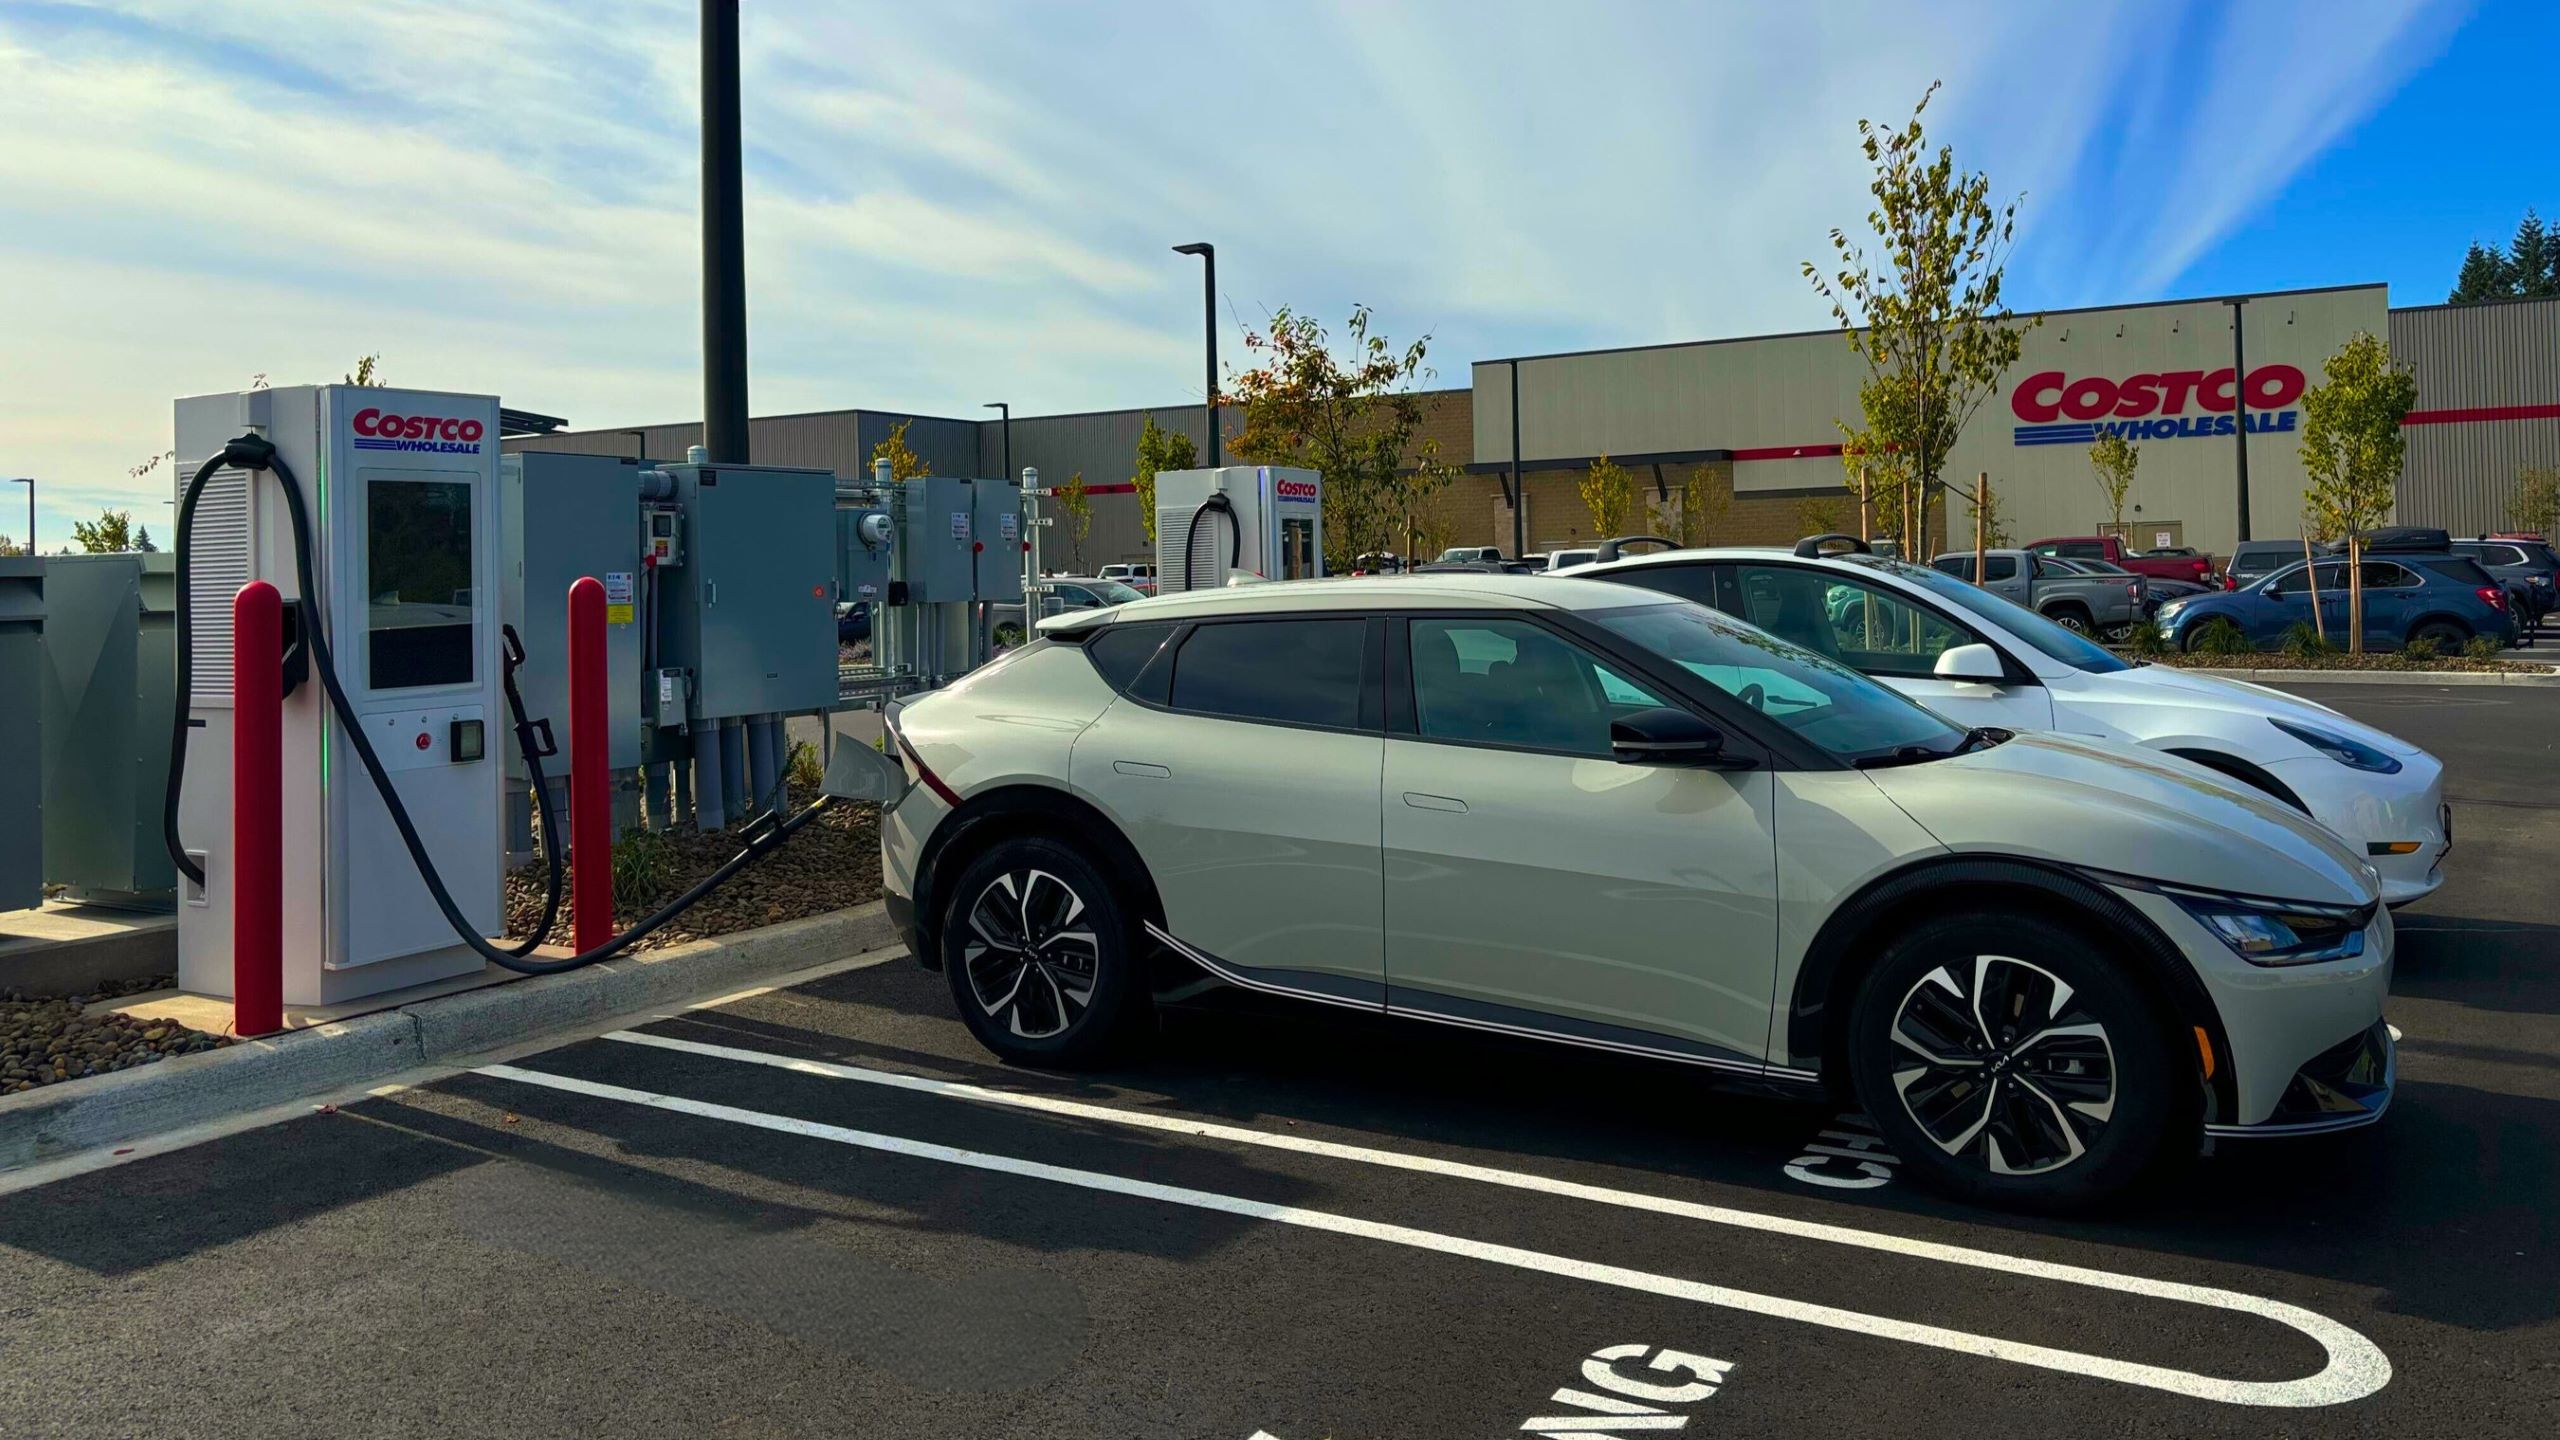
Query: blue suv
(2446,598)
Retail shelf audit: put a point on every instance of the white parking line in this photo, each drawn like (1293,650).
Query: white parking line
(2356,1367)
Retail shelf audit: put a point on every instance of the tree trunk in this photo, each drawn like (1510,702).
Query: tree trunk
(2311,577)
(1981,496)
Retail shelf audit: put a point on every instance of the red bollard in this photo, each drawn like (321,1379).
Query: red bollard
(590,782)
(257,810)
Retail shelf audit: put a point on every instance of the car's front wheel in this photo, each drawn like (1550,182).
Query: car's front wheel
(2010,1061)
(1041,954)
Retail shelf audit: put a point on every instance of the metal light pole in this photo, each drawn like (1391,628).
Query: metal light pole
(2240,409)
(1006,411)
(1519,500)
(1208,254)
(724,243)
(639,444)
(30,482)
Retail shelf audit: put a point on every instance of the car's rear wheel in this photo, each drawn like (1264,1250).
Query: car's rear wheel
(2447,635)
(2010,1061)
(2070,618)
(1041,954)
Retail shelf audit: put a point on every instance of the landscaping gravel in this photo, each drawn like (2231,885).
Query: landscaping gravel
(44,1039)
(833,863)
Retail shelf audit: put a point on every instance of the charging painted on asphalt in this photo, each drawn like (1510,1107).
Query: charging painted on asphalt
(2355,1367)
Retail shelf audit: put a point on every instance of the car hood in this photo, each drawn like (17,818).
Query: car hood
(2101,805)
(2170,685)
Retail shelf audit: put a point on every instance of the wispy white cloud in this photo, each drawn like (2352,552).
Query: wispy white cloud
(969,201)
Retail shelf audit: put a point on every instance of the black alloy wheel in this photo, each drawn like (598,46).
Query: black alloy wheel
(1039,953)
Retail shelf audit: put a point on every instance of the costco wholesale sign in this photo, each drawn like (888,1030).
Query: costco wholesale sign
(2151,407)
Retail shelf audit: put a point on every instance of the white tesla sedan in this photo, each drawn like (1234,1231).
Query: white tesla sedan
(1979,659)
(1588,815)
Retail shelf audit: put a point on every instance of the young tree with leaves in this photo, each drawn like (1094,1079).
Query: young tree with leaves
(2351,452)
(2112,460)
(904,463)
(1924,311)
(112,533)
(1355,418)
(368,372)
(1702,508)
(1818,516)
(1077,501)
(1609,493)
(1159,449)
(2536,504)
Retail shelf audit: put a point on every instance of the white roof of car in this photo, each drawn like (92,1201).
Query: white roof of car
(1366,593)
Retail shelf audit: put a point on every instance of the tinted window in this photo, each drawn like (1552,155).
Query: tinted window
(1123,650)
(1295,672)
(2467,572)
(2051,640)
(1508,682)
(1689,582)
(1830,706)
(2085,550)
(1866,627)
(2000,567)
(2383,575)
(2248,561)
(2332,575)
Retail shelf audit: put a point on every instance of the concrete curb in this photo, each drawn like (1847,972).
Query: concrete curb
(2380,677)
(57,1120)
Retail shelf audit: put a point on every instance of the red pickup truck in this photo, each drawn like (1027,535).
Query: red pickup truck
(2197,567)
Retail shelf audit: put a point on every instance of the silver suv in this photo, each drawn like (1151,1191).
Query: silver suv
(1553,808)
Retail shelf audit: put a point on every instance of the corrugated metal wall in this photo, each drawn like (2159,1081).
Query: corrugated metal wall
(2461,468)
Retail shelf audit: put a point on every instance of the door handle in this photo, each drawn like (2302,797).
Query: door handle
(1142,769)
(1420,801)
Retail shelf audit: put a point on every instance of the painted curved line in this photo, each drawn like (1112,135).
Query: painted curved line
(2355,1367)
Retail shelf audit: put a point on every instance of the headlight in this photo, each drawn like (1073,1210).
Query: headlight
(2353,754)
(2172,608)
(2277,932)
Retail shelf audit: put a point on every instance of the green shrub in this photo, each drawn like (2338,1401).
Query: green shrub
(644,869)
(803,770)
(2419,647)
(2145,640)
(2222,640)
(2481,647)
(2303,641)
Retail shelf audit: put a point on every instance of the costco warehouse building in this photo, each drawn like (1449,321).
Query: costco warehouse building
(1760,416)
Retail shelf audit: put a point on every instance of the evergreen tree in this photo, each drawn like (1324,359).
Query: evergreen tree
(2483,277)
(2533,258)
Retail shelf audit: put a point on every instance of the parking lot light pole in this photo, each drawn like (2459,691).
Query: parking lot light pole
(1006,412)
(1208,254)
(2240,409)
(30,482)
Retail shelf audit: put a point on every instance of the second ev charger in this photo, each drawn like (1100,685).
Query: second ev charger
(401,486)
(1269,519)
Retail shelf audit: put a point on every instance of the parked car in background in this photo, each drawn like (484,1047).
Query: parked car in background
(1567,559)
(2527,567)
(2186,564)
(1378,562)
(2253,560)
(1578,813)
(1067,594)
(853,621)
(1138,575)
(2155,591)
(1472,555)
(1979,659)
(2441,597)
(2097,605)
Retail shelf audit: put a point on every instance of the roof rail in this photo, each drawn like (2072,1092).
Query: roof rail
(1810,547)
(1609,549)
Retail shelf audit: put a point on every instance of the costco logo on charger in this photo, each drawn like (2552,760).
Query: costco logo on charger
(2150,406)
(433,434)
(1294,489)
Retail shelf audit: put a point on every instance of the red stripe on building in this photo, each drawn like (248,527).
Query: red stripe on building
(2481,412)
(1789,452)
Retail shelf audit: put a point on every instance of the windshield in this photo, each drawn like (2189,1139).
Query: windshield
(2047,638)
(1113,592)
(1838,710)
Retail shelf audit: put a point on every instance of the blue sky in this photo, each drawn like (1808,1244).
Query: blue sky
(962,202)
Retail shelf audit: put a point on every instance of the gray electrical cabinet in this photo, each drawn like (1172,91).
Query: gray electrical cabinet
(751,612)
(999,526)
(110,684)
(862,565)
(937,551)
(21,733)
(563,517)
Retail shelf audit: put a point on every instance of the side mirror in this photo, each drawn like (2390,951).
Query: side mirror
(1976,664)
(1663,736)
(858,772)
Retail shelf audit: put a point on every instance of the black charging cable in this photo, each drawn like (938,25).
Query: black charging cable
(253,453)
(1235,538)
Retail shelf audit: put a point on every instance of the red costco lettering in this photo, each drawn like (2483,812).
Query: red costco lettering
(1295,489)
(2051,395)
(365,420)
(373,423)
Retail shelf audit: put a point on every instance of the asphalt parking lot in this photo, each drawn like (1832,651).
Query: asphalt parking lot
(823,1210)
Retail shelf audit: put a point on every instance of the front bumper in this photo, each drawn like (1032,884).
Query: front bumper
(2280,1020)
(2372,811)
(2344,1087)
